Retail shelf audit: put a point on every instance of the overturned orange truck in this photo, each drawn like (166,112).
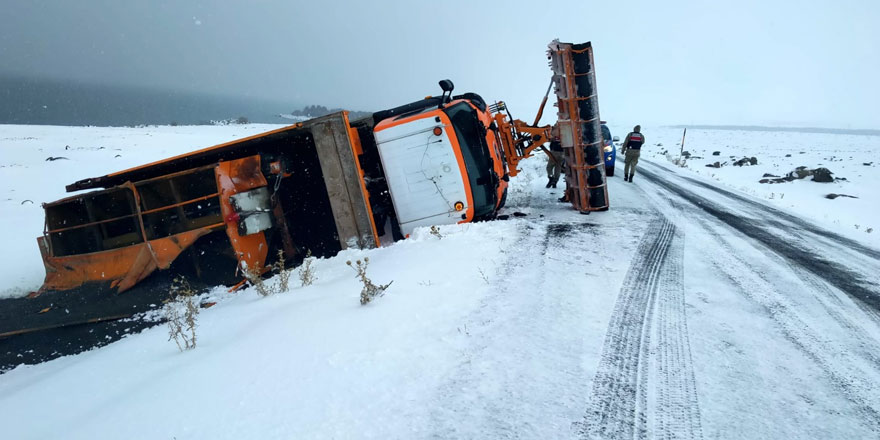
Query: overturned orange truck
(316,187)
(320,186)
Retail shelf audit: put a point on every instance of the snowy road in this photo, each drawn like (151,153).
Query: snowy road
(686,311)
(781,332)
(733,320)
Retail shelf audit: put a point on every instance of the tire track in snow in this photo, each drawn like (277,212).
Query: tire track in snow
(793,232)
(851,368)
(833,301)
(852,283)
(620,405)
(832,359)
(868,347)
(678,409)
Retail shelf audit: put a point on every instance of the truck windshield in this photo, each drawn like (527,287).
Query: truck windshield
(472,139)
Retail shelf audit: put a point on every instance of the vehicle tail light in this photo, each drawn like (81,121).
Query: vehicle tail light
(252,211)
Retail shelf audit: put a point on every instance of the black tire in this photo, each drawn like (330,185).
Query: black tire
(609,171)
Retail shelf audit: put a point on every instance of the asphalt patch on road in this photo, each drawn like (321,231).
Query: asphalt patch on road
(45,345)
(64,323)
(564,229)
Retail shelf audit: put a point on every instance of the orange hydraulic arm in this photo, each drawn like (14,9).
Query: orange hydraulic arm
(519,139)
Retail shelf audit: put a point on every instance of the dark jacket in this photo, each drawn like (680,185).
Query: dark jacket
(633,140)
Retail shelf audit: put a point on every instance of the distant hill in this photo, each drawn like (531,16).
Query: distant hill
(314,111)
(51,102)
(860,131)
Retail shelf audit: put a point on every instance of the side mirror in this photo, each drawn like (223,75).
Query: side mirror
(616,139)
(446,85)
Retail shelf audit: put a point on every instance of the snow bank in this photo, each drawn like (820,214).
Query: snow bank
(261,361)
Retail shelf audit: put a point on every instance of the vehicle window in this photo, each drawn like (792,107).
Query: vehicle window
(476,157)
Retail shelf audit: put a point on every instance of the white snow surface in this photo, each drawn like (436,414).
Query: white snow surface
(524,328)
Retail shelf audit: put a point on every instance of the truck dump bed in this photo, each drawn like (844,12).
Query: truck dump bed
(207,215)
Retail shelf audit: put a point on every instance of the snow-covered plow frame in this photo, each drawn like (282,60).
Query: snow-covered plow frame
(580,128)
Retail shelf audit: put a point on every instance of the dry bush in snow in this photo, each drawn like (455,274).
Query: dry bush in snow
(283,281)
(370,290)
(181,312)
(435,231)
(306,272)
(255,277)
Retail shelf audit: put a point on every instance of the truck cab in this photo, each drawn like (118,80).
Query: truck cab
(441,161)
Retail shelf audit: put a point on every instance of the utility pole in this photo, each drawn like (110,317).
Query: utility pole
(680,152)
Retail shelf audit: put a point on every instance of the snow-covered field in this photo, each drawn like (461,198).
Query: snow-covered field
(683,312)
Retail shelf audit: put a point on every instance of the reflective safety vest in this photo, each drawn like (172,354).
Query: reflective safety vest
(635,141)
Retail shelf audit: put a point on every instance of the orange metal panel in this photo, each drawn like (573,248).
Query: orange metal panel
(123,267)
(233,177)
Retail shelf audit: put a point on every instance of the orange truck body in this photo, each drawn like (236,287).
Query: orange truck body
(316,187)
(312,188)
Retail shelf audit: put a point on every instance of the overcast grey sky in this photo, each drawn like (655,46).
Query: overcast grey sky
(772,62)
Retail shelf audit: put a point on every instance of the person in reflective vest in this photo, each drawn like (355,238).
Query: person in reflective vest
(632,148)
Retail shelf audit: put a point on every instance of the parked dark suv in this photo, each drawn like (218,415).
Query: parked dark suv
(610,150)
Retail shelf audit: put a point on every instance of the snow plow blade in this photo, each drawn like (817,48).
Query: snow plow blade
(580,128)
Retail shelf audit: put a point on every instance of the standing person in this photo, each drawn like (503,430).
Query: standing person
(632,148)
(554,161)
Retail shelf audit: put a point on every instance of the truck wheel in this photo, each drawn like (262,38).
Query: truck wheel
(609,171)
